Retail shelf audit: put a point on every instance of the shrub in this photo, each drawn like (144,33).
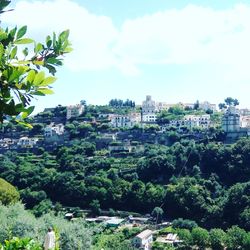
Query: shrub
(18,222)
(8,193)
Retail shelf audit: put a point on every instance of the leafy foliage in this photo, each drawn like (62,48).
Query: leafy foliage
(16,243)
(17,223)
(8,193)
(22,76)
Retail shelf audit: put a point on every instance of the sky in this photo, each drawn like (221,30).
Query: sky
(173,50)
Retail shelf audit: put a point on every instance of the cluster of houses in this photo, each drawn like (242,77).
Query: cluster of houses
(148,115)
(149,111)
(52,133)
(235,122)
(144,239)
(23,142)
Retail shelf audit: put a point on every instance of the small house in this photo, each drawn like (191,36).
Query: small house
(115,222)
(143,240)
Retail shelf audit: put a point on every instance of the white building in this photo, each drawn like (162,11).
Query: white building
(245,112)
(51,130)
(207,106)
(245,121)
(170,239)
(149,118)
(162,106)
(143,240)
(202,121)
(74,110)
(26,142)
(125,121)
(7,142)
(190,121)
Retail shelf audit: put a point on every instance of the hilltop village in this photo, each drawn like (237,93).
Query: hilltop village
(124,126)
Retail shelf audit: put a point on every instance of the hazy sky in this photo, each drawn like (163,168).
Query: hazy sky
(174,50)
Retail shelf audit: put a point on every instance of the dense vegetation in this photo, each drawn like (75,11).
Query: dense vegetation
(17,222)
(203,181)
(200,238)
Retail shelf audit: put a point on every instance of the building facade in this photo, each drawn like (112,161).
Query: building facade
(149,106)
(125,121)
(207,106)
(149,118)
(56,130)
(74,110)
(231,120)
(143,240)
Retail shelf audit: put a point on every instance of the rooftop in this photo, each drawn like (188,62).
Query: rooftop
(115,221)
(144,234)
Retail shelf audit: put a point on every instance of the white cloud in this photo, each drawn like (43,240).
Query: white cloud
(90,35)
(190,35)
(193,34)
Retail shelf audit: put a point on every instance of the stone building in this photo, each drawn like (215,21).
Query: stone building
(235,125)
(74,110)
(231,120)
(149,106)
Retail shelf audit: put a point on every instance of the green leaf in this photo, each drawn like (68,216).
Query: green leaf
(21,32)
(19,107)
(25,52)
(48,41)
(24,123)
(13,32)
(3,4)
(3,35)
(37,93)
(13,52)
(38,47)
(1,50)
(40,63)
(14,75)
(39,78)
(31,76)
(54,39)
(46,91)
(27,112)
(23,62)
(53,60)
(68,50)
(24,41)
(64,35)
(47,81)
(52,69)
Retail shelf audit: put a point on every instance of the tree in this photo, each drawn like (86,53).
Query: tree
(200,237)
(245,218)
(196,105)
(217,239)
(8,193)
(95,207)
(22,76)
(222,106)
(157,213)
(229,101)
(235,238)
(246,241)
(187,224)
